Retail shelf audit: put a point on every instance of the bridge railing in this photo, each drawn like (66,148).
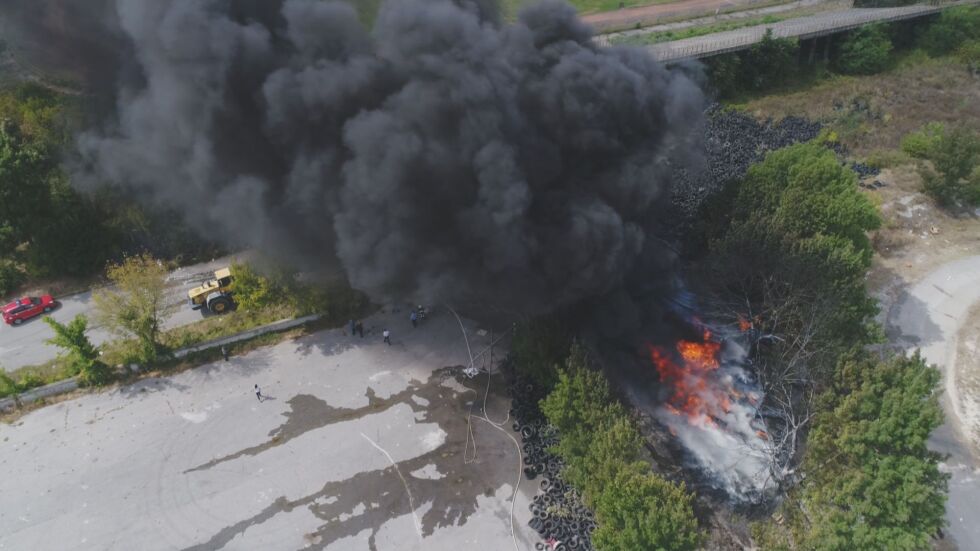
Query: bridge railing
(803,28)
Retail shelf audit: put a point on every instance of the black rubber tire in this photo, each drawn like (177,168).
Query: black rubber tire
(47,309)
(219,305)
(18,321)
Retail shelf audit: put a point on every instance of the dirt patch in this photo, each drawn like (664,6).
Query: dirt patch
(873,113)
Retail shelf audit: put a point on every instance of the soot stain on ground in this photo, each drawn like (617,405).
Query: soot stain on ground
(453,497)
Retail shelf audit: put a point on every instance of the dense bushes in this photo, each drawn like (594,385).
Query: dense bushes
(953,28)
(767,64)
(46,227)
(865,51)
(255,291)
(871,481)
(774,62)
(635,509)
(793,251)
(952,176)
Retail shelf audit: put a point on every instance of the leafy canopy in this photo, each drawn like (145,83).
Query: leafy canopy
(635,508)
(82,358)
(871,481)
(865,51)
(135,305)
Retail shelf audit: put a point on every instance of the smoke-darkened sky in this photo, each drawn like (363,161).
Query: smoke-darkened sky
(440,155)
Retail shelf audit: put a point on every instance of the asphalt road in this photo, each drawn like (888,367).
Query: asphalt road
(359,445)
(929,317)
(25,344)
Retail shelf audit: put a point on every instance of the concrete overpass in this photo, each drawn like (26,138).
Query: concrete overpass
(803,28)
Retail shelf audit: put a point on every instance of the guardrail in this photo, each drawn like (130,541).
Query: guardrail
(802,28)
(68,385)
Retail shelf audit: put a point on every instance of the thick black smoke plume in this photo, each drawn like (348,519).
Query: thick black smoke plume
(441,155)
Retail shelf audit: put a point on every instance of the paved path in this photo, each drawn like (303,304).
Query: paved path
(25,344)
(801,27)
(195,462)
(929,317)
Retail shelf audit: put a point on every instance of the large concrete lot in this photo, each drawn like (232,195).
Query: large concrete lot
(194,461)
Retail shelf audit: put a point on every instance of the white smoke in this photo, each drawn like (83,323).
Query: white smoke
(714,414)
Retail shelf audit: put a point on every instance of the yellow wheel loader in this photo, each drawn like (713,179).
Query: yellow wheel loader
(214,295)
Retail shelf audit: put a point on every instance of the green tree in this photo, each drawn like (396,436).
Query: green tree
(81,357)
(45,226)
(24,169)
(254,291)
(865,51)
(635,508)
(135,305)
(795,256)
(639,511)
(953,27)
(724,74)
(871,482)
(953,177)
(768,63)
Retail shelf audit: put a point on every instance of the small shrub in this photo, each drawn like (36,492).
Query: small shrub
(30,380)
(969,53)
(865,51)
(8,386)
(921,143)
(80,357)
(954,175)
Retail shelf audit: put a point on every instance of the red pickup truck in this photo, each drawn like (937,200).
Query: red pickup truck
(16,312)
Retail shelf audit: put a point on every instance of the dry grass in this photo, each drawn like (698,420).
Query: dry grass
(917,91)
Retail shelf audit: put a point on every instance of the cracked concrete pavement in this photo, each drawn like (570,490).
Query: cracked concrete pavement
(195,461)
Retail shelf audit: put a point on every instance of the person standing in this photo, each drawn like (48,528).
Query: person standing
(387,336)
(415,318)
(258,392)
(360,328)
(352,327)
(224,352)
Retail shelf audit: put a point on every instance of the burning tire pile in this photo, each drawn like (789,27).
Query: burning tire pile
(560,517)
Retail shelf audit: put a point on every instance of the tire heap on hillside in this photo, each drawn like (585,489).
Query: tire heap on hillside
(734,141)
(559,515)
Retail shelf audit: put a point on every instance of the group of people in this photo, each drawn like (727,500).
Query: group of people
(356,328)
(416,316)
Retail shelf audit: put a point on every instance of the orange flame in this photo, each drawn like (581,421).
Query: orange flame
(695,392)
(688,382)
(744,324)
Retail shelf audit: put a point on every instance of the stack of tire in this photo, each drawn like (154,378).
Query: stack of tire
(734,141)
(558,513)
